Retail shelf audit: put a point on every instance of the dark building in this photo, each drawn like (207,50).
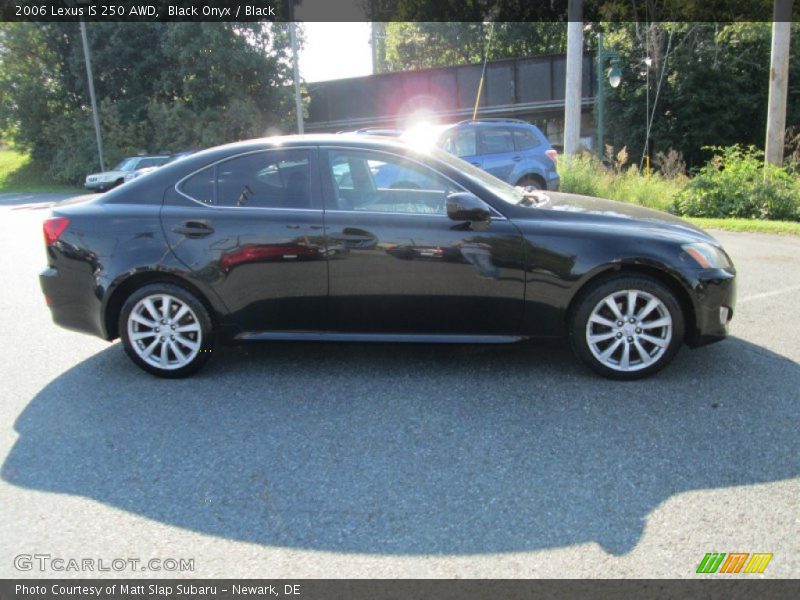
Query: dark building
(525,88)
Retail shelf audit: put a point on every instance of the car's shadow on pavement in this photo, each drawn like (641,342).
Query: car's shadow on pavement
(410,449)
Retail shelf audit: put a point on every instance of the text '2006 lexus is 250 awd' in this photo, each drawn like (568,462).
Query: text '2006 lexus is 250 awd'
(357,238)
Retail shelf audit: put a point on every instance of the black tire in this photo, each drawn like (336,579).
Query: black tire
(199,334)
(531,183)
(669,337)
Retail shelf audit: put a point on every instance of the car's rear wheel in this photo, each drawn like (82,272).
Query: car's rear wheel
(627,327)
(166,330)
(531,184)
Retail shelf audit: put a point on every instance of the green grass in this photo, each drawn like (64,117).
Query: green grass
(19,175)
(585,175)
(747,225)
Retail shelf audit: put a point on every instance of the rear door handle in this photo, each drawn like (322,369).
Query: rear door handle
(477,164)
(194,229)
(517,158)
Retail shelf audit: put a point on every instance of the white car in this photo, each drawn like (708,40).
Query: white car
(147,169)
(100,182)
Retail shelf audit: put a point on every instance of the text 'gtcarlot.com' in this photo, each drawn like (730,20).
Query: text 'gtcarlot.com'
(48,562)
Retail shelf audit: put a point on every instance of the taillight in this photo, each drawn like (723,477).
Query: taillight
(53,228)
(552,155)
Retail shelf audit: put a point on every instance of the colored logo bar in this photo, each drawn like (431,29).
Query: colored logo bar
(734,562)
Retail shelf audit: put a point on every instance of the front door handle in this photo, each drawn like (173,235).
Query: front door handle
(476,164)
(194,229)
(517,158)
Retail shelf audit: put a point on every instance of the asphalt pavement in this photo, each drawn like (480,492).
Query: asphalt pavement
(289,460)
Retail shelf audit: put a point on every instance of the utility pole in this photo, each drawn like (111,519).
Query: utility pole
(778,81)
(573,89)
(298,105)
(92,97)
(600,99)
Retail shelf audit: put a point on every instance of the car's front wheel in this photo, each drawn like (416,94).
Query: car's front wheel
(166,330)
(627,327)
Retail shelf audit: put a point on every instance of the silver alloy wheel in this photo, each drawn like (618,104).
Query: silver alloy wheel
(164,332)
(629,330)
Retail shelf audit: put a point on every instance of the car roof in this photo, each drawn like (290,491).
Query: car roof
(312,139)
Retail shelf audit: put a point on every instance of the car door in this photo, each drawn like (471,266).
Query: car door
(251,227)
(403,266)
(496,147)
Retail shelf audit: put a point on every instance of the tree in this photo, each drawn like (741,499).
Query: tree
(160,87)
(423,45)
(713,92)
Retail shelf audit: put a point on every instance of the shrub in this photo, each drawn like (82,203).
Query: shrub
(582,174)
(737,183)
(585,174)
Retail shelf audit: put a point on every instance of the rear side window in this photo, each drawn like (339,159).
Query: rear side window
(495,141)
(269,179)
(200,186)
(524,140)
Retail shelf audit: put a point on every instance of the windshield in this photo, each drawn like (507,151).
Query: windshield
(497,186)
(126,165)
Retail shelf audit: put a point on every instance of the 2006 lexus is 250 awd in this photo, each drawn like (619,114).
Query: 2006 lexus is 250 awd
(357,238)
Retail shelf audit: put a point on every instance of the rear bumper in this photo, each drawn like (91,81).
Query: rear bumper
(714,297)
(554,182)
(72,306)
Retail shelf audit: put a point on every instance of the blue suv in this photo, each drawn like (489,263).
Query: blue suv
(510,149)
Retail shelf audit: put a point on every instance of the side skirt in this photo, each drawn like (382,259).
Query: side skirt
(403,338)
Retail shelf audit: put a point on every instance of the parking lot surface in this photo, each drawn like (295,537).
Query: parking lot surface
(311,460)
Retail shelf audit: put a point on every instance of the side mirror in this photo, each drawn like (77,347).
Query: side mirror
(463,206)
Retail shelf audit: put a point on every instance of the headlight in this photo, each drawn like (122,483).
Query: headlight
(707,255)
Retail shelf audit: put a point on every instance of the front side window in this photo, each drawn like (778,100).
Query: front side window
(498,187)
(269,179)
(460,142)
(378,182)
(129,164)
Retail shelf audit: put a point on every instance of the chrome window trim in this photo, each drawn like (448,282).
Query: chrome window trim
(227,158)
(496,216)
(399,214)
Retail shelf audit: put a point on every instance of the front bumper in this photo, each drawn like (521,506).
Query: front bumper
(714,299)
(99,186)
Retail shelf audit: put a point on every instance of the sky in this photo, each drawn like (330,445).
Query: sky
(335,51)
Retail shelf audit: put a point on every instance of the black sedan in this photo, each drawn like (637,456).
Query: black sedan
(307,238)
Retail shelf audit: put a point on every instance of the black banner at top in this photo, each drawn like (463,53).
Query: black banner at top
(397,10)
